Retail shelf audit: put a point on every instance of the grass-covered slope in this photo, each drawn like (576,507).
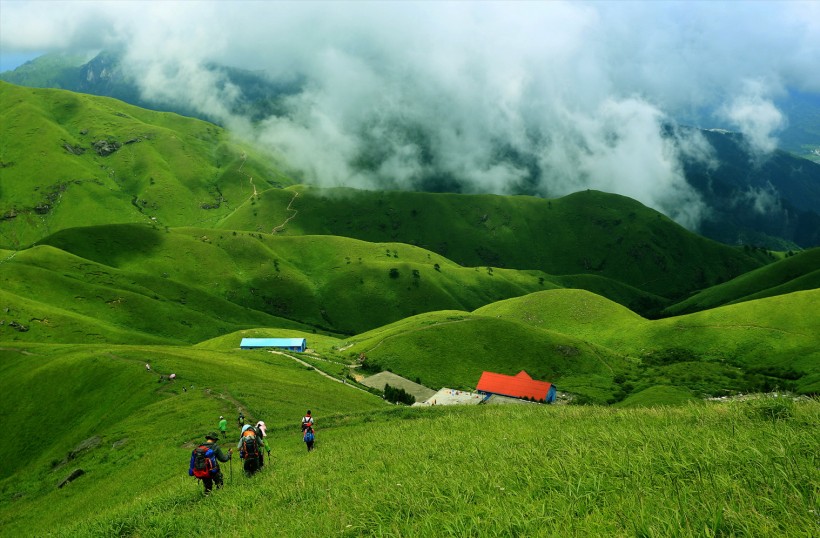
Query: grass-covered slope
(58,297)
(452,349)
(755,345)
(603,352)
(584,233)
(771,342)
(69,159)
(96,408)
(793,273)
(486,470)
(320,281)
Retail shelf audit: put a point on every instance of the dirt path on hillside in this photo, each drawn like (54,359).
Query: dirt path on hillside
(7,258)
(244,158)
(240,408)
(280,227)
(289,208)
(20,351)
(303,363)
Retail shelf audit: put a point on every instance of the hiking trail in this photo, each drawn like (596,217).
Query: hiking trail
(279,228)
(244,158)
(308,365)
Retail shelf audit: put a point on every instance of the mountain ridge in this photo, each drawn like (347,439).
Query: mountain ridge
(773,202)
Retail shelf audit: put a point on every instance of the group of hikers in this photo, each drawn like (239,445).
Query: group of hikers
(252,444)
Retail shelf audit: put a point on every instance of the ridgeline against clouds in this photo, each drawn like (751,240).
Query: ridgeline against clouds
(544,98)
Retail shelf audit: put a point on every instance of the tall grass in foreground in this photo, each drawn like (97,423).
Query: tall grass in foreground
(739,469)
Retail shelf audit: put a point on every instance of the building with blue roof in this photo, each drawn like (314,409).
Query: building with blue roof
(287,344)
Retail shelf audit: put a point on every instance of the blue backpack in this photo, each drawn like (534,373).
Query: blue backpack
(309,436)
(203,462)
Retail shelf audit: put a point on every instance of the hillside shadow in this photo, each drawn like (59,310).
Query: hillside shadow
(112,244)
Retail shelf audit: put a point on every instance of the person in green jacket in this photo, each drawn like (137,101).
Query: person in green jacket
(223,426)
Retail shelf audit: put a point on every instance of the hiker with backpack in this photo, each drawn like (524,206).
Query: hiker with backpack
(308,434)
(251,444)
(262,429)
(223,426)
(205,462)
(307,421)
(309,437)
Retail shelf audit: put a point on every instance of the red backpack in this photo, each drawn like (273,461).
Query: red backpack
(203,461)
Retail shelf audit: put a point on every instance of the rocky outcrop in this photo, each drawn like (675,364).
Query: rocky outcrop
(104,148)
(76,473)
(19,327)
(74,150)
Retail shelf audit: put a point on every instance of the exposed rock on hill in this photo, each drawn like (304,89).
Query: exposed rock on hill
(76,473)
(74,150)
(106,147)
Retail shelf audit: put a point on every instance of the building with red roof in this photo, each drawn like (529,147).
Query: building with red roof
(520,385)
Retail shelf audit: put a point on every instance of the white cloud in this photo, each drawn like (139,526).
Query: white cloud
(756,116)
(764,200)
(559,96)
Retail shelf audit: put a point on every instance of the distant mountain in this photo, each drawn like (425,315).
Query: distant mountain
(802,135)
(773,203)
(105,75)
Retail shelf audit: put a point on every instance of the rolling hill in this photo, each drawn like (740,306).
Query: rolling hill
(69,159)
(603,352)
(588,232)
(305,259)
(176,172)
(794,273)
(772,202)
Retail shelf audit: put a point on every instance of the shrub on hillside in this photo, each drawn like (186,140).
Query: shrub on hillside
(398,395)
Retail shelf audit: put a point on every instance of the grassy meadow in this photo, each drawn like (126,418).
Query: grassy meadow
(724,469)
(794,273)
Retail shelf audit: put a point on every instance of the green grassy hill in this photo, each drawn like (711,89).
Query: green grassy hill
(97,408)
(130,237)
(59,297)
(309,281)
(584,233)
(377,470)
(793,273)
(451,349)
(603,352)
(99,162)
(69,159)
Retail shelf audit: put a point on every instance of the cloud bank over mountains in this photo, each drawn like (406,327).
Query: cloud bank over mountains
(541,97)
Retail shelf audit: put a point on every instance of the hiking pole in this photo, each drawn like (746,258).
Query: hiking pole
(230,464)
